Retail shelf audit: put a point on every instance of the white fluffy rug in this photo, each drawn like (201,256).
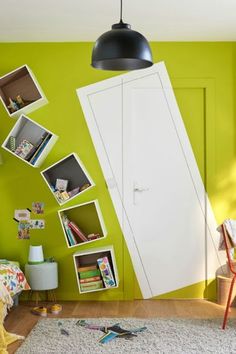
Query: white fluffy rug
(173,336)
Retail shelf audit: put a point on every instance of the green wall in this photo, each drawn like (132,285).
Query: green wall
(203,75)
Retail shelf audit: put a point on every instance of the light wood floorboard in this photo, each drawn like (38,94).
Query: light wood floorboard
(20,320)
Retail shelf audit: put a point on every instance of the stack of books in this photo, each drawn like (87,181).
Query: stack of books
(74,234)
(96,276)
(90,278)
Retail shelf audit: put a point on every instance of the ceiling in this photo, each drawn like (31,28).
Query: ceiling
(85,20)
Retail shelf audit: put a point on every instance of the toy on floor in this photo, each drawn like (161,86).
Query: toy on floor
(39,311)
(111,332)
(43,311)
(63,330)
(55,309)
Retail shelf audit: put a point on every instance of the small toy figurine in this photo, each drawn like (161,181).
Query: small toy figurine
(112,331)
(13,106)
(62,330)
(19,101)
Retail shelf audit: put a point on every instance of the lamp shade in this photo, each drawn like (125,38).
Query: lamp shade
(121,49)
(36,255)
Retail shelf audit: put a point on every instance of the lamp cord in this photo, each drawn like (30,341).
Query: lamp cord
(121,10)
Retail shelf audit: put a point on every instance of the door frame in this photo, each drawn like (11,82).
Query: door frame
(208,86)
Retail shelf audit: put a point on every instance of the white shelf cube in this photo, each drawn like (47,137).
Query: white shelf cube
(21,81)
(26,128)
(88,217)
(69,168)
(88,257)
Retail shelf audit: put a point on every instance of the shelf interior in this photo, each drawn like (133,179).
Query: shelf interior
(37,138)
(91,259)
(86,218)
(26,129)
(68,169)
(20,83)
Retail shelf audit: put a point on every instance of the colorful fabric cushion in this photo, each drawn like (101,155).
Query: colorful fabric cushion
(13,279)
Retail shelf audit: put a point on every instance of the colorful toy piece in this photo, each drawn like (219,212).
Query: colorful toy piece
(112,331)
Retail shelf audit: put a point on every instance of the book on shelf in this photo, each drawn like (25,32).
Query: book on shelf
(77,231)
(95,285)
(24,148)
(40,148)
(106,272)
(90,273)
(71,238)
(87,268)
(36,146)
(89,280)
(32,151)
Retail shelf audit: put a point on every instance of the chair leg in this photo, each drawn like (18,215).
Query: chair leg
(30,295)
(37,297)
(47,295)
(228,302)
(54,296)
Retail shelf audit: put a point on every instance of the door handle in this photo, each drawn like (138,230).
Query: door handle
(138,189)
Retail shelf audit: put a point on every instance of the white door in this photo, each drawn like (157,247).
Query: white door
(153,179)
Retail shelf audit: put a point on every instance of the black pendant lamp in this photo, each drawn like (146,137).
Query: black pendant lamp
(121,49)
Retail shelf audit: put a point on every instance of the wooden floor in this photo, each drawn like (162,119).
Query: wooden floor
(21,321)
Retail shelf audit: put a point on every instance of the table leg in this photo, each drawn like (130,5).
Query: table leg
(37,297)
(52,295)
(30,294)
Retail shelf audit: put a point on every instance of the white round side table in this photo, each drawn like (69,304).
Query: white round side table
(42,277)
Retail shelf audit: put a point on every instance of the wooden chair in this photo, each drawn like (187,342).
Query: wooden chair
(228,245)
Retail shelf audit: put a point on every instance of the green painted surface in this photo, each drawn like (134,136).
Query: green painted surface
(61,68)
